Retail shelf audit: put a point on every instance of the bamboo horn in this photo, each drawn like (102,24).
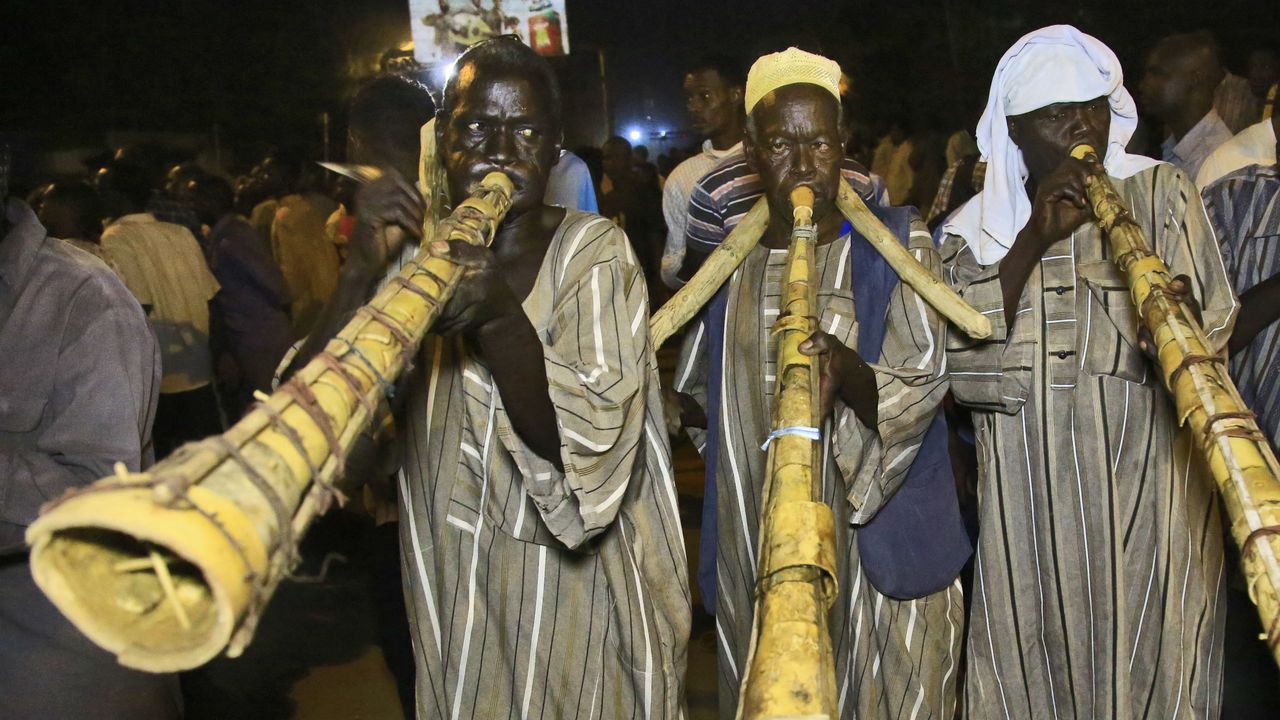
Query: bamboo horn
(726,258)
(926,284)
(1225,432)
(219,519)
(729,255)
(790,670)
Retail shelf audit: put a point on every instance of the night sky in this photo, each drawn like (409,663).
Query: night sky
(264,71)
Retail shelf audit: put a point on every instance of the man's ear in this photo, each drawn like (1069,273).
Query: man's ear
(735,95)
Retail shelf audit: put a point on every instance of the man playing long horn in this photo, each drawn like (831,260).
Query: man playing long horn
(541,540)
(894,657)
(1097,586)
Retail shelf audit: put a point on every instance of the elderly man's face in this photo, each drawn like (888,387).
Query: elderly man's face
(500,123)
(798,140)
(1047,135)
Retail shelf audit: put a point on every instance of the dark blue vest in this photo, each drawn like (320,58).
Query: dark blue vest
(917,544)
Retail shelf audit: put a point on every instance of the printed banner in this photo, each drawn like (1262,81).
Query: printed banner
(442,29)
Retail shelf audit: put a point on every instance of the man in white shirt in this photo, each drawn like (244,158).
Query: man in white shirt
(1182,73)
(1255,145)
(713,95)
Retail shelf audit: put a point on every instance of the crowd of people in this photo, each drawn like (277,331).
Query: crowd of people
(151,302)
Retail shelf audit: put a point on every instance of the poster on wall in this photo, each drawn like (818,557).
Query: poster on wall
(442,29)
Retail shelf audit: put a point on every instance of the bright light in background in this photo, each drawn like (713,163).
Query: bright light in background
(442,73)
(634,134)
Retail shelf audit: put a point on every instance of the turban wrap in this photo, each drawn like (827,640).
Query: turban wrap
(1057,64)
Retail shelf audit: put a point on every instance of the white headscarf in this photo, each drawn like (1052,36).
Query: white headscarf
(1050,65)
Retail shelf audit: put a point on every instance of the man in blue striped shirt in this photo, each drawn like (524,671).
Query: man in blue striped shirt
(722,198)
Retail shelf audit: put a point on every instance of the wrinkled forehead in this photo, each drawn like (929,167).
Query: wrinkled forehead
(799,104)
(500,94)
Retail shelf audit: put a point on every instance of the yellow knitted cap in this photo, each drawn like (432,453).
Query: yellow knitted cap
(789,67)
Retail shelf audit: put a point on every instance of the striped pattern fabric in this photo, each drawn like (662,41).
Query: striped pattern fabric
(727,192)
(1190,152)
(165,269)
(1244,208)
(675,204)
(1097,589)
(536,593)
(894,659)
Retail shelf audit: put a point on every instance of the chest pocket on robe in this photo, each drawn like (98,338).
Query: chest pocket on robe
(1108,324)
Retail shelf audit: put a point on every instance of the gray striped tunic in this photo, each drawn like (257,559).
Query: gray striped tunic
(535,593)
(894,659)
(1097,587)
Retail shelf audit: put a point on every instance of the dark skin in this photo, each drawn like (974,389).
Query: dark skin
(505,123)
(715,108)
(115,204)
(499,123)
(1178,83)
(1264,71)
(1260,304)
(616,161)
(62,219)
(798,141)
(1056,184)
(362,152)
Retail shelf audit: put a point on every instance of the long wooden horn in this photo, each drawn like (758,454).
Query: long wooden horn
(1225,432)
(726,258)
(169,567)
(717,268)
(927,285)
(790,671)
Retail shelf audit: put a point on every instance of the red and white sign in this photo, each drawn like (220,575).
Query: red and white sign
(442,29)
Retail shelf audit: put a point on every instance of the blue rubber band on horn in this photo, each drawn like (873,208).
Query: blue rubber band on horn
(804,431)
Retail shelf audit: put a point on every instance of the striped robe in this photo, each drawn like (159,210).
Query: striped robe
(1097,587)
(535,593)
(894,659)
(1244,209)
